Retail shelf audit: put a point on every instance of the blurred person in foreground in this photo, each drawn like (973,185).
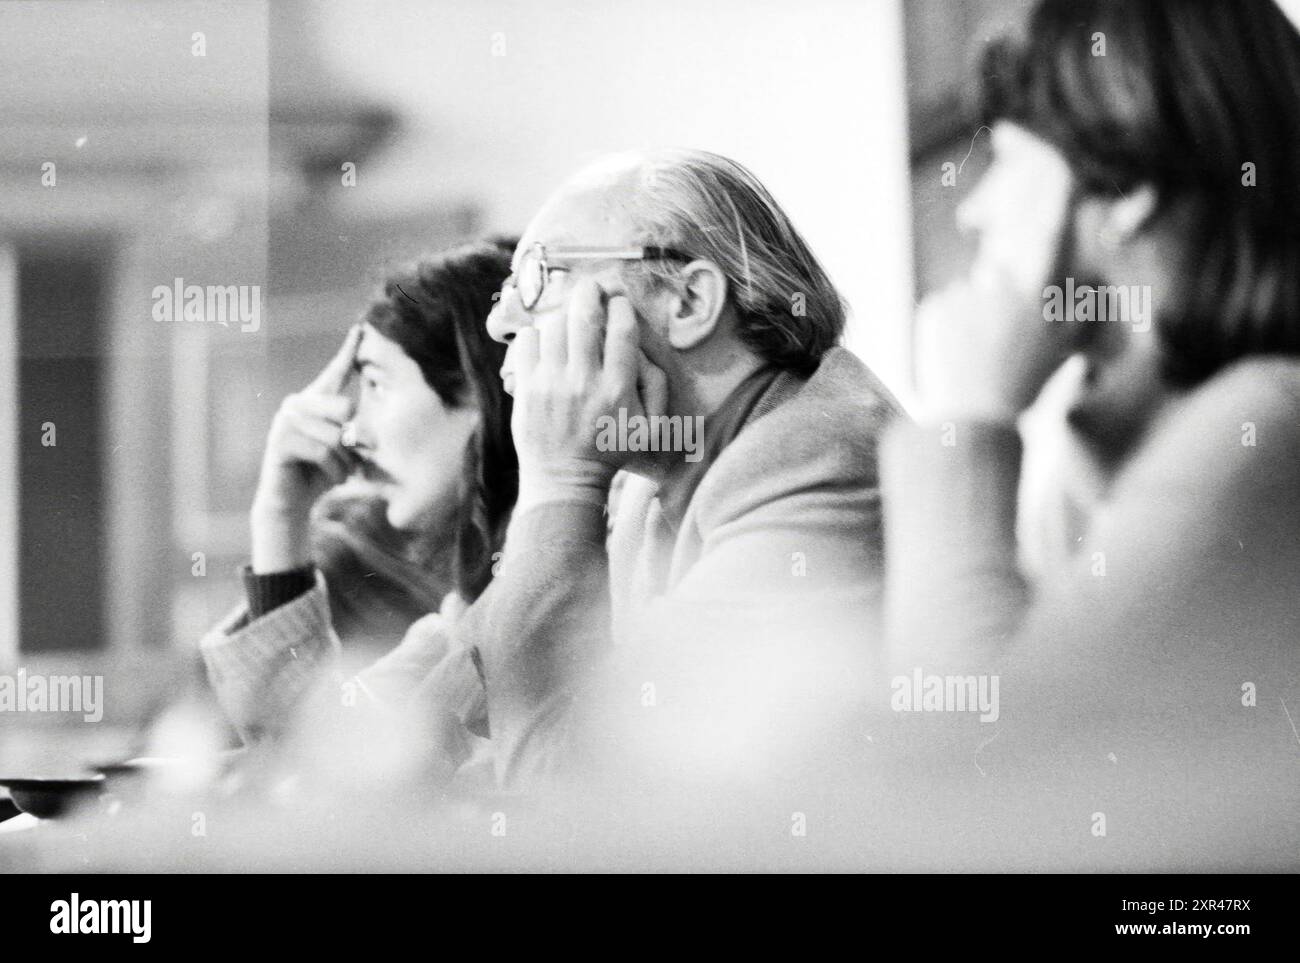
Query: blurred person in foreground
(1155,676)
(369,511)
(727,620)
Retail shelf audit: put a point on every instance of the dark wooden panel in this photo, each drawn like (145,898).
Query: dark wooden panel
(61,486)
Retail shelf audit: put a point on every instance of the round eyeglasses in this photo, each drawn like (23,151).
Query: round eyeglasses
(535,265)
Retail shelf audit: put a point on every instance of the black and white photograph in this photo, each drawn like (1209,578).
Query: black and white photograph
(650,437)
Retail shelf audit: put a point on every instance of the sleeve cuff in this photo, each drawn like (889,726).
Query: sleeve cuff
(267,592)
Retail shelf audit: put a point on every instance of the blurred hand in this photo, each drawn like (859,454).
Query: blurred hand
(985,349)
(452,608)
(569,371)
(303,459)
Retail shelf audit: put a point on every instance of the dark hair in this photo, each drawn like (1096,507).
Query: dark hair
(436,311)
(1185,94)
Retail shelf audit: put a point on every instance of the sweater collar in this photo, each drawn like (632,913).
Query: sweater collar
(754,397)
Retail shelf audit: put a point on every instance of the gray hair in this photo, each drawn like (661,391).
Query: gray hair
(711,207)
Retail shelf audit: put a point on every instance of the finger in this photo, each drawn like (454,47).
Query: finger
(325,431)
(622,344)
(353,462)
(652,385)
(319,455)
(526,351)
(586,324)
(552,341)
(334,467)
(334,376)
(452,608)
(317,443)
(336,409)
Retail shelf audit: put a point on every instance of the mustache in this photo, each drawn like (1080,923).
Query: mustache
(367,469)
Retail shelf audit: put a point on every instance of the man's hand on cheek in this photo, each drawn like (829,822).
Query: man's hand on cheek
(572,371)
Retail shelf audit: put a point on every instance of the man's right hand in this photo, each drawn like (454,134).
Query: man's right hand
(570,372)
(304,458)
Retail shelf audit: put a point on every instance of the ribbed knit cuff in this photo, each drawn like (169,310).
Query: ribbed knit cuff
(267,592)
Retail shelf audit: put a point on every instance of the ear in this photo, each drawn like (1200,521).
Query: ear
(694,309)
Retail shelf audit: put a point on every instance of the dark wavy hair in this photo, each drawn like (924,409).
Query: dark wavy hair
(1185,94)
(436,310)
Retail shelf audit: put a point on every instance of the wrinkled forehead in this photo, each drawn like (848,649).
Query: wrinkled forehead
(587,211)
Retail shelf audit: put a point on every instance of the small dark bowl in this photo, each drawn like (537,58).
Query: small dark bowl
(50,798)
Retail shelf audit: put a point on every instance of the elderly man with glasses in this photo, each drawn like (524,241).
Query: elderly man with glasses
(727,611)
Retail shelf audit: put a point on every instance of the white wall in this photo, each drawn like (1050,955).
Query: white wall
(810,95)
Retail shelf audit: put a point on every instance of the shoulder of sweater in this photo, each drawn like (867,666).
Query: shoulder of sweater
(1271,382)
(1243,422)
(824,437)
(844,379)
(842,409)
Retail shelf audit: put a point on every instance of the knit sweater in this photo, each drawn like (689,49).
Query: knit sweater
(1156,673)
(734,628)
(778,549)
